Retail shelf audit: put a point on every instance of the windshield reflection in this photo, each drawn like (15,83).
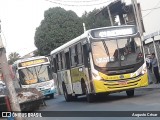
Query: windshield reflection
(117,53)
(35,74)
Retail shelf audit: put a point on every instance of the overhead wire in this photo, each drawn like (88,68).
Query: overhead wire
(152,9)
(65,4)
(70,3)
(76,0)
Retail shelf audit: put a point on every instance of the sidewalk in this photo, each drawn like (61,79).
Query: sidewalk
(151,87)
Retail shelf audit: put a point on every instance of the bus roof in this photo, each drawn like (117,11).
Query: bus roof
(70,42)
(28,59)
(85,34)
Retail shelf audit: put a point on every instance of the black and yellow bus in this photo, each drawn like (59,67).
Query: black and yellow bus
(100,61)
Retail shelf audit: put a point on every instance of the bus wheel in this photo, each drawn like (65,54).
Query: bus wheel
(130,93)
(83,85)
(90,97)
(67,97)
(51,96)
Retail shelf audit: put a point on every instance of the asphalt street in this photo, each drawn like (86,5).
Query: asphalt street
(145,99)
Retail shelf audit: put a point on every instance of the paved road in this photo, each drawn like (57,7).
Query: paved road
(145,100)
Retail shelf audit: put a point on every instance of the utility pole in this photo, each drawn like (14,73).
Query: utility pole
(137,16)
(139,25)
(8,80)
(139,19)
(110,16)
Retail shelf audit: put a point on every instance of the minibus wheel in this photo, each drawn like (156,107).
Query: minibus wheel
(90,97)
(51,95)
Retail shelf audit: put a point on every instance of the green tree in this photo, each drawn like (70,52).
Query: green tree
(13,57)
(58,27)
(36,53)
(94,20)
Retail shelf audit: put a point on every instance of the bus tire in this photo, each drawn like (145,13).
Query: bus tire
(130,93)
(90,97)
(67,97)
(51,96)
(83,86)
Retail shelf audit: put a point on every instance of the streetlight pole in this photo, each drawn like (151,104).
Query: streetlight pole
(8,80)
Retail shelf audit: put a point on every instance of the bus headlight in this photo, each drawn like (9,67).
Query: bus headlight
(52,86)
(144,70)
(97,77)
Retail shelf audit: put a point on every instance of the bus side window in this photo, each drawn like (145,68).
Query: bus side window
(67,60)
(63,60)
(54,66)
(74,57)
(85,54)
(57,62)
(49,72)
(79,53)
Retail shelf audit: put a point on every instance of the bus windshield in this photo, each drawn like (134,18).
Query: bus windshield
(117,53)
(35,74)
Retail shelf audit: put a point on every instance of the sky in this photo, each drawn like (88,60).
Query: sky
(20,18)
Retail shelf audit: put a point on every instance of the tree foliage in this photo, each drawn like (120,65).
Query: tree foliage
(14,56)
(94,20)
(58,27)
(36,53)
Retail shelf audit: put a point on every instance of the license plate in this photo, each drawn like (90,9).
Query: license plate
(122,83)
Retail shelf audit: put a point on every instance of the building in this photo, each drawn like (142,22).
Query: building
(31,54)
(152,44)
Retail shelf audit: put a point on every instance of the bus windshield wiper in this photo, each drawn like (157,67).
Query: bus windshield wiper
(30,71)
(38,73)
(106,48)
(40,69)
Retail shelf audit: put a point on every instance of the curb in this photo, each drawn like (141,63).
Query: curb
(150,87)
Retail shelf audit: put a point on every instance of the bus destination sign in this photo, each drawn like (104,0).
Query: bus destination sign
(113,32)
(32,62)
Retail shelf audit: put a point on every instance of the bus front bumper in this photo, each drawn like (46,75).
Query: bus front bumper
(48,92)
(102,86)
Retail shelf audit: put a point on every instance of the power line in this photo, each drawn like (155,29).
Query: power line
(75,0)
(151,10)
(64,4)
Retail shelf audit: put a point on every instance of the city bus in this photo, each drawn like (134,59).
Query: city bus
(100,61)
(35,72)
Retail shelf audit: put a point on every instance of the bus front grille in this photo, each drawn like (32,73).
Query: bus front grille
(121,83)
